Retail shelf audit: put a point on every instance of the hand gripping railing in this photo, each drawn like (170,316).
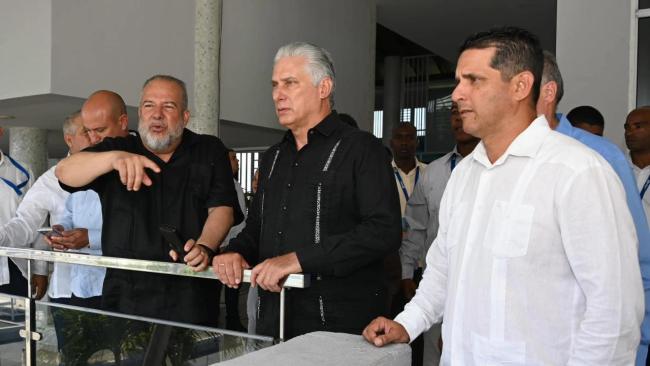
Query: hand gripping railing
(178,269)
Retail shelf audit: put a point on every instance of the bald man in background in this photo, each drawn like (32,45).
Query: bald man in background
(103,115)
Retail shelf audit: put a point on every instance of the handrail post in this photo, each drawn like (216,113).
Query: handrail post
(30,320)
(282,304)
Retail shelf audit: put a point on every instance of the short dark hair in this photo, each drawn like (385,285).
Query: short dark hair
(177,81)
(408,125)
(586,114)
(517,50)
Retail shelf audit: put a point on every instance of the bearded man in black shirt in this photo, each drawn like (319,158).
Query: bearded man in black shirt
(165,174)
(326,206)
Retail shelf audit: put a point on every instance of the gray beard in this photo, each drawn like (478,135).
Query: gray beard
(159,144)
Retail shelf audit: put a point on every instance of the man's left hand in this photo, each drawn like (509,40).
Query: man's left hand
(271,273)
(39,286)
(196,257)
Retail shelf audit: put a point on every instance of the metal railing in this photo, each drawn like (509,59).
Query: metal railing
(31,336)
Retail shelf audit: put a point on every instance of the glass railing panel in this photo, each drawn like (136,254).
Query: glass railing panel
(12,317)
(76,336)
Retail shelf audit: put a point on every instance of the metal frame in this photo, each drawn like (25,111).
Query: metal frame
(634,43)
(31,336)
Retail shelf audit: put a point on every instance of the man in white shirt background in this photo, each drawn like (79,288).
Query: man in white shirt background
(406,166)
(535,261)
(407,170)
(15,181)
(421,217)
(637,139)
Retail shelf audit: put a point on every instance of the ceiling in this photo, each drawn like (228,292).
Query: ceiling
(441,25)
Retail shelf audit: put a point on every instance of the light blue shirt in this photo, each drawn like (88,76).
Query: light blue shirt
(84,210)
(615,157)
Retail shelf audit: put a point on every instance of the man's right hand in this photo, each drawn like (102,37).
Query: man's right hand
(229,268)
(408,288)
(69,239)
(132,169)
(382,331)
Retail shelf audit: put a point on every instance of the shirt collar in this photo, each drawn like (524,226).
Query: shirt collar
(564,127)
(417,165)
(325,127)
(526,144)
(2,158)
(453,153)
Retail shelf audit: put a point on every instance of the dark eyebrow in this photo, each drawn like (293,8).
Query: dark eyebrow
(470,75)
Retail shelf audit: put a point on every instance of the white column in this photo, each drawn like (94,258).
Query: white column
(207,40)
(29,146)
(593,49)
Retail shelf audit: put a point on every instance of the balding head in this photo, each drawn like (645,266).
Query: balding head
(104,115)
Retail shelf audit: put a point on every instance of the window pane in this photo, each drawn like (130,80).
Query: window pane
(644,4)
(643,71)
(378,124)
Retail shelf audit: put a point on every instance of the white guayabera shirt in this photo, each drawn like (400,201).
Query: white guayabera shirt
(535,261)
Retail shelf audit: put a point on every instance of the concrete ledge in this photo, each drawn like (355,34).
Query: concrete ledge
(325,349)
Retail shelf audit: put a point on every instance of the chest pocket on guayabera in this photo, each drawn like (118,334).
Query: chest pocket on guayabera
(199,180)
(508,230)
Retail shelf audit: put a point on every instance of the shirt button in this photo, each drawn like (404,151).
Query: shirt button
(289,185)
(295,164)
(311,132)
(279,233)
(284,208)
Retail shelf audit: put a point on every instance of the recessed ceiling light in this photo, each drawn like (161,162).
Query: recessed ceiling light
(7,116)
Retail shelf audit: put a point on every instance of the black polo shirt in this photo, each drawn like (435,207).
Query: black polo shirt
(197,176)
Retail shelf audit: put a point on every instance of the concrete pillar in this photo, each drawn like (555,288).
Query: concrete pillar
(207,41)
(29,146)
(392,94)
(594,53)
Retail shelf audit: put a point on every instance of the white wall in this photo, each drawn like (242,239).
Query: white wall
(25,47)
(593,52)
(254,29)
(118,44)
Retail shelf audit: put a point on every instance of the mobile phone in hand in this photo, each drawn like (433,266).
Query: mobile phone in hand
(173,239)
(49,232)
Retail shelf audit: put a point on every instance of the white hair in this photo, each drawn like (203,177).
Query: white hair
(319,62)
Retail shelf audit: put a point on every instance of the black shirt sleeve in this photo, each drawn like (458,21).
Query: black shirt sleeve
(108,144)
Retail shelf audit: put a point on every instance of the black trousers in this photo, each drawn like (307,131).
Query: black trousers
(17,285)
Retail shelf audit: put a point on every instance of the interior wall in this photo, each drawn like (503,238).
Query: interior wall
(25,47)
(118,44)
(593,53)
(253,30)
